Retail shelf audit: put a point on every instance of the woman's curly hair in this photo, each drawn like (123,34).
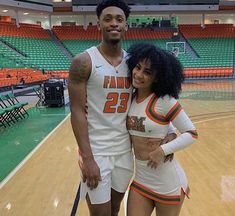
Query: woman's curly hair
(166,68)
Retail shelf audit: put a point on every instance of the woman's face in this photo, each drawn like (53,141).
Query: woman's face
(142,75)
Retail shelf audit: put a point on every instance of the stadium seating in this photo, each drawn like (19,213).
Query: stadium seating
(214,45)
(30,46)
(11,76)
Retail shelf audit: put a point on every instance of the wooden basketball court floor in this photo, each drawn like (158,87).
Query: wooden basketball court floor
(46,182)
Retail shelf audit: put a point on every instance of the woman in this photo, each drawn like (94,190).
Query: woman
(156,76)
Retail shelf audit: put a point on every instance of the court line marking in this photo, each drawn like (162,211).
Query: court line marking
(213,114)
(212,119)
(6,179)
(74,209)
(76,202)
(64,114)
(21,164)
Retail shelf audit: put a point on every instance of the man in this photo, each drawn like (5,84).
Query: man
(100,96)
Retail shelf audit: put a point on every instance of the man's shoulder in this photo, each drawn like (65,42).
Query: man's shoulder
(81,64)
(85,55)
(82,58)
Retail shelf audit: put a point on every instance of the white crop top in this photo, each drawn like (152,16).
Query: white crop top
(151,118)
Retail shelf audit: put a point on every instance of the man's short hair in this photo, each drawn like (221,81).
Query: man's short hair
(115,3)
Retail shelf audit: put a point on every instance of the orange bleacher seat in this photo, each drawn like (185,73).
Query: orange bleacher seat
(208,31)
(25,30)
(30,75)
(208,72)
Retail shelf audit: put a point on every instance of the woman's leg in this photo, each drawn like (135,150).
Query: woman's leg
(169,209)
(138,205)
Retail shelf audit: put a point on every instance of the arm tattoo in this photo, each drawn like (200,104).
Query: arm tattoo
(78,71)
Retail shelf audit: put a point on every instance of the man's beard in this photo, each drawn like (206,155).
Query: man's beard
(114,41)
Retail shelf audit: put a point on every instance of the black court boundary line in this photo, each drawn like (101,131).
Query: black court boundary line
(76,202)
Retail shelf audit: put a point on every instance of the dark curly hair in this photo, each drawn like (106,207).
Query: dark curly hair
(116,3)
(166,68)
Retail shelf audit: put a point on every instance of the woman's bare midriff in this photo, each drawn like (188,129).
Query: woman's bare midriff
(144,145)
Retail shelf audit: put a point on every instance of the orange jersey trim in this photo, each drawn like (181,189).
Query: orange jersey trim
(173,112)
(152,114)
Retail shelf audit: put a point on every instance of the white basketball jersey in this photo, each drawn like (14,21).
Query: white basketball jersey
(108,102)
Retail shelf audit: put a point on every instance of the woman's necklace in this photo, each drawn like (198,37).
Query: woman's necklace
(108,60)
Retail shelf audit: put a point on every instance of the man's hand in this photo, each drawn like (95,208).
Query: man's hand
(90,172)
(155,157)
(168,138)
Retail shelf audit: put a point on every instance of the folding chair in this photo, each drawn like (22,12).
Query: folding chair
(2,119)
(20,105)
(11,113)
(40,93)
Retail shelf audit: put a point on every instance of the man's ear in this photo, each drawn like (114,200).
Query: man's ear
(126,27)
